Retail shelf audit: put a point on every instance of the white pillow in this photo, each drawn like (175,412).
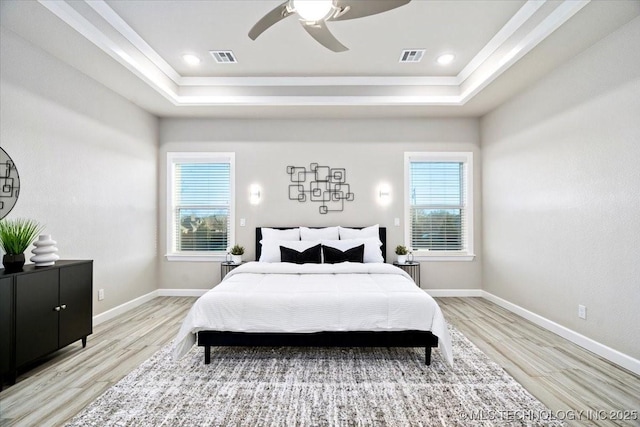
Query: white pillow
(364,233)
(270,251)
(328,233)
(372,251)
(274,234)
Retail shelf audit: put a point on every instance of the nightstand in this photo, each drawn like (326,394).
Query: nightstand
(412,268)
(227,266)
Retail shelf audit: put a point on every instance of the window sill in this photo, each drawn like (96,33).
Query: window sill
(439,256)
(197,257)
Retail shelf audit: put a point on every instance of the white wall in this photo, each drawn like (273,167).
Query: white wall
(371,151)
(561,194)
(87,160)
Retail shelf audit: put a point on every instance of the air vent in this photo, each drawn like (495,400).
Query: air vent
(223,56)
(412,55)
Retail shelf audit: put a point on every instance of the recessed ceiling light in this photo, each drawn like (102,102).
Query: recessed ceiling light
(191,59)
(446,58)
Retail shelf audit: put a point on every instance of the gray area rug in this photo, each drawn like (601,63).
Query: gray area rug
(316,387)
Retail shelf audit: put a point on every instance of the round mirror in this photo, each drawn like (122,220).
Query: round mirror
(9,184)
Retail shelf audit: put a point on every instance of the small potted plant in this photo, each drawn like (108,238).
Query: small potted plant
(15,237)
(236,254)
(402,252)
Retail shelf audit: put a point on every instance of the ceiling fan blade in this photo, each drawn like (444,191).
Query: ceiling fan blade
(352,9)
(320,32)
(273,17)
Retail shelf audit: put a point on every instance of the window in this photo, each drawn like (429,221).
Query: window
(439,205)
(200,204)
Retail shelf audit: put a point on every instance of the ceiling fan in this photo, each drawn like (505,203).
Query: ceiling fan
(314,14)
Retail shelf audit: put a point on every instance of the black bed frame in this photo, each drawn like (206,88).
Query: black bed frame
(426,339)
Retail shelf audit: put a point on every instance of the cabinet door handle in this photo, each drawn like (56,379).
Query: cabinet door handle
(63,306)
(57,308)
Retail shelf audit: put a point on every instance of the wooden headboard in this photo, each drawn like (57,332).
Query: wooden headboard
(383,239)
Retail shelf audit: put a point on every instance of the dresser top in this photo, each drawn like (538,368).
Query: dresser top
(30,268)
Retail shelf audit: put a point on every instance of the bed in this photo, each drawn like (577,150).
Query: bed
(345,304)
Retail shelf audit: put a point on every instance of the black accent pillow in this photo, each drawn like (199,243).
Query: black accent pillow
(335,256)
(311,255)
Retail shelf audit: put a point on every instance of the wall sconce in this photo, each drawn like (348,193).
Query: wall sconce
(384,194)
(254,194)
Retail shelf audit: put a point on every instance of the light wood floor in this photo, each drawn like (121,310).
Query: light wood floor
(559,373)
(562,375)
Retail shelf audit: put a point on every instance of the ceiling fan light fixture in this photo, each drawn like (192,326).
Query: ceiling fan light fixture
(312,10)
(313,16)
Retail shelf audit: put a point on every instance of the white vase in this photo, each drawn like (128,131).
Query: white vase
(45,251)
(236,259)
(402,259)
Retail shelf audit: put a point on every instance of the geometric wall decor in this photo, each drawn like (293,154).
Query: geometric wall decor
(322,184)
(9,184)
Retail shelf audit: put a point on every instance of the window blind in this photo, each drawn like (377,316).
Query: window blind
(202,204)
(437,206)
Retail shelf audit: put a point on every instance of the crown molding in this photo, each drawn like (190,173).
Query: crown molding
(321,81)
(543,30)
(110,16)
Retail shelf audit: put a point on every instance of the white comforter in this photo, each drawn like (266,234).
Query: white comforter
(284,297)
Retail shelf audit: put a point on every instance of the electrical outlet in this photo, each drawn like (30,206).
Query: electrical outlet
(582,312)
(396,222)
(243,222)
(100,294)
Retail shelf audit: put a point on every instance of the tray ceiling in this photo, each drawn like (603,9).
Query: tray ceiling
(285,69)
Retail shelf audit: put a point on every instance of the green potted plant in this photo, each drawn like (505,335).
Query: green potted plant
(402,252)
(15,237)
(236,254)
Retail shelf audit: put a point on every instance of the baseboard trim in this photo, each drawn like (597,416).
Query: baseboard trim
(443,293)
(601,350)
(181,292)
(123,308)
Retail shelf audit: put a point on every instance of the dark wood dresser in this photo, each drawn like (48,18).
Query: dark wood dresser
(42,310)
